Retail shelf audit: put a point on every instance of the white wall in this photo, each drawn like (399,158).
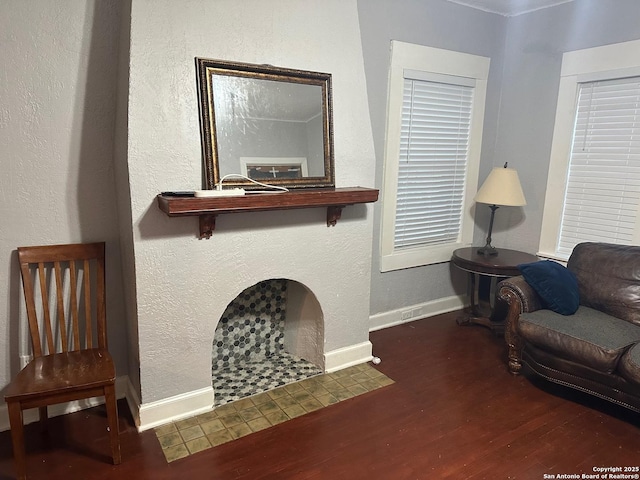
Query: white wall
(440,24)
(184,284)
(535,43)
(57,106)
(526,54)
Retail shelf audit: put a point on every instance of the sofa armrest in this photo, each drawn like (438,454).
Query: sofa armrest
(517,290)
(521,298)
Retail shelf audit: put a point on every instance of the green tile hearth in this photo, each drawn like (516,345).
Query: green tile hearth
(252,414)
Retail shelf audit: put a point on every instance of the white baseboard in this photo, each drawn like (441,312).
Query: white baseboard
(122,386)
(146,416)
(415,312)
(347,356)
(154,414)
(157,413)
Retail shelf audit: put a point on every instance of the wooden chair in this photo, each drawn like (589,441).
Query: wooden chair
(64,290)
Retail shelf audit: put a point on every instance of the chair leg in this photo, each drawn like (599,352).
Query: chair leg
(112,417)
(17,437)
(44,417)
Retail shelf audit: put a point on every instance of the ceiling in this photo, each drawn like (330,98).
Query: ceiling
(510,8)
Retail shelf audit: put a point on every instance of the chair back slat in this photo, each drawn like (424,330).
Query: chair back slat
(87,305)
(46,313)
(29,296)
(101,304)
(62,323)
(76,274)
(73,287)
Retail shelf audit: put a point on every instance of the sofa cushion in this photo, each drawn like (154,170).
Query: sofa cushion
(608,278)
(589,337)
(555,284)
(629,366)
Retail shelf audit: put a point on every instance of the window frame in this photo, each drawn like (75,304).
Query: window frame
(578,66)
(432,61)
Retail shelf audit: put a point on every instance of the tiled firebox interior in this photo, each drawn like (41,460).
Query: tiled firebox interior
(248,346)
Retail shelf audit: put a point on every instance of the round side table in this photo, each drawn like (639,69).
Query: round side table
(500,266)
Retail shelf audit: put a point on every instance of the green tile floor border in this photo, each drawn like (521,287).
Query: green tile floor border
(252,414)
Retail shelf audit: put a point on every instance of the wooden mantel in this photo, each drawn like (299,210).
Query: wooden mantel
(207,208)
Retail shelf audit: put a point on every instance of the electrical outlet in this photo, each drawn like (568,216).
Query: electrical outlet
(406,315)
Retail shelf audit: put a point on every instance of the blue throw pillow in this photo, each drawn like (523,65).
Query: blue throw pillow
(556,285)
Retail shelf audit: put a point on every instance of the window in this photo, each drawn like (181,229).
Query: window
(432,152)
(593,190)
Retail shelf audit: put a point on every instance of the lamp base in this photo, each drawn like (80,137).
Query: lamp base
(488,250)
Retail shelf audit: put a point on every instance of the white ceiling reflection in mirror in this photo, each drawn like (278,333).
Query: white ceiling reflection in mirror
(510,8)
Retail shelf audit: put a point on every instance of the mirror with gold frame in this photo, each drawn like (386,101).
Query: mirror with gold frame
(271,124)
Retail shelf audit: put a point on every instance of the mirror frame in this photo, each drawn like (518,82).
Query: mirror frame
(207,68)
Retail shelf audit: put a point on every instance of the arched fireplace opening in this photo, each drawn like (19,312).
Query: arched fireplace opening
(270,335)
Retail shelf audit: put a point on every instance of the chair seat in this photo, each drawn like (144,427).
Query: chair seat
(66,372)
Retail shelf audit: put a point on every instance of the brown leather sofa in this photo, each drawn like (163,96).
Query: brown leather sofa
(597,348)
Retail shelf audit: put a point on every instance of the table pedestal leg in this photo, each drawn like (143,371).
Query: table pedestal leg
(474,315)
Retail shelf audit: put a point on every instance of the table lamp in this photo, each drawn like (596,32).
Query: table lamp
(501,188)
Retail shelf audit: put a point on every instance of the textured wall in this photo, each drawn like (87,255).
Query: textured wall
(184,284)
(57,109)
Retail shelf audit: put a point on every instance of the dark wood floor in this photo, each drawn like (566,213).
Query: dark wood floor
(453,413)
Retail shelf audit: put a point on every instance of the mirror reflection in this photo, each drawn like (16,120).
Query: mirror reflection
(270,124)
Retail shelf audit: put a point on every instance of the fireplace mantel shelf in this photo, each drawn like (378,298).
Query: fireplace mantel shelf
(207,208)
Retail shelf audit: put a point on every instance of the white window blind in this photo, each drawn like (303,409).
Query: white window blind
(434,143)
(603,186)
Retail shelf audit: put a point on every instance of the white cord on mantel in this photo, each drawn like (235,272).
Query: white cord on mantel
(237,175)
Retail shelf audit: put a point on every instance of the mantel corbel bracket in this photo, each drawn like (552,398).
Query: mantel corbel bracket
(207,225)
(334,212)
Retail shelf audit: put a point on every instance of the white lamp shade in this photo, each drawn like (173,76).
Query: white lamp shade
(502,187)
